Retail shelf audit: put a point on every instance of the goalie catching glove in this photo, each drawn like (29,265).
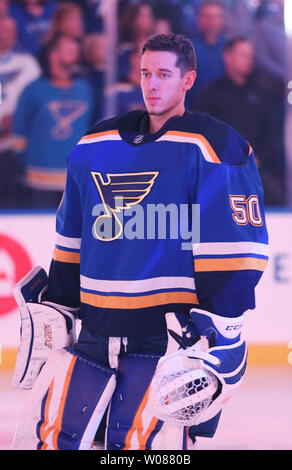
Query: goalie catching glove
(45,326)
(203,366)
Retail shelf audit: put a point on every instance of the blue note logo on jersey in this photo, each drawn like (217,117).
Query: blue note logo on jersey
(65,113)
(118,192)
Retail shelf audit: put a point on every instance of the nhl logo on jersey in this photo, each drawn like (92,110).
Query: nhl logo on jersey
(138,139)
(118,192)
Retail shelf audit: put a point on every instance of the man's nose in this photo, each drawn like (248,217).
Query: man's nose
(153,83)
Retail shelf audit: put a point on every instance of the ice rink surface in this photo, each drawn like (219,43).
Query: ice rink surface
(258,417)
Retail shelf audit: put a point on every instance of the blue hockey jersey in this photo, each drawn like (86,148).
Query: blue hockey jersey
(152,223)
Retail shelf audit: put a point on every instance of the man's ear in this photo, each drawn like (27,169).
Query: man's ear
(189,78)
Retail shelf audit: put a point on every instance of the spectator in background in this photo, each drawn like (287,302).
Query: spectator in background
(190,9)
(265,8)
(67,20)
(162,26)
(172,11)
(137,23)
(94,61)
(33,18)
(269,42)
(17,70)
(239,19)
(5,8)
(92,14)
(208,44)
(238,99)
(53,112)
(129,93)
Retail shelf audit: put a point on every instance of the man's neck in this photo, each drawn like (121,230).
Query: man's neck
(157,121)
(211,39)
(61,82)
(60,74)
(237,78)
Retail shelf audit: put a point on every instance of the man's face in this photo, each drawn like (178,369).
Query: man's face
(162,83)
(240,58)
(68,52)
(211,19)
(72,25)
(144,21)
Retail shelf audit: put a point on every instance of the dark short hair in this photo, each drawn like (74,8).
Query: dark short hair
(231,43)
(211,3)
(177,43)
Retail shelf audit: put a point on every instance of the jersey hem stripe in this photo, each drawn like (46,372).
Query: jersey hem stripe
(120,302)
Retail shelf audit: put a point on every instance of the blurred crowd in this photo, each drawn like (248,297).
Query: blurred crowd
(52,77)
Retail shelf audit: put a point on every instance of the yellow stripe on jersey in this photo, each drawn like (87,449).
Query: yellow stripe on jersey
(199,139)
(100,134)
(150,300)
(230,264)
(46,179)
(66,256)
(19,143)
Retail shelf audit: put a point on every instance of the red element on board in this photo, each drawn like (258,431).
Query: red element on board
(15,262)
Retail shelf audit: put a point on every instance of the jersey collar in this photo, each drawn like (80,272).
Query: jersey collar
(141,134)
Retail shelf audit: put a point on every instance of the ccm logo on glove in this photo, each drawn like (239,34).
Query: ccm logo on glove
(234,327)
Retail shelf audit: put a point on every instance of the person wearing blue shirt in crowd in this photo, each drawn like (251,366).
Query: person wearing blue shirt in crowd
(33,18)
(52,113)
(209,44)
(68,19)
(17,70)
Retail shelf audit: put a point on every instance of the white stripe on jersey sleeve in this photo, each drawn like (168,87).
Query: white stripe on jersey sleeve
(230,248)
(68,242)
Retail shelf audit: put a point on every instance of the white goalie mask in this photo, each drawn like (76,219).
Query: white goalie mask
(182,388)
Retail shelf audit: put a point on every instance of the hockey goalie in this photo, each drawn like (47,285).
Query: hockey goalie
(160,348)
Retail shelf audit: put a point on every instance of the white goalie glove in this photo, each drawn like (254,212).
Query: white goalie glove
(192,383)
(45,326)
(184,387)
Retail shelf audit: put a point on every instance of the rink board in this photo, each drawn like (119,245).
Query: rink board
(27,240)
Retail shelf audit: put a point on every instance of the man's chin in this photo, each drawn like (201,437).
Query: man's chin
(154,112)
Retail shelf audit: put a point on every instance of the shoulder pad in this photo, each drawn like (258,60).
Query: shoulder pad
(230,147)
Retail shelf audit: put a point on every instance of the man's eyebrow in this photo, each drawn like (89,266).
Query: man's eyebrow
(160,70)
